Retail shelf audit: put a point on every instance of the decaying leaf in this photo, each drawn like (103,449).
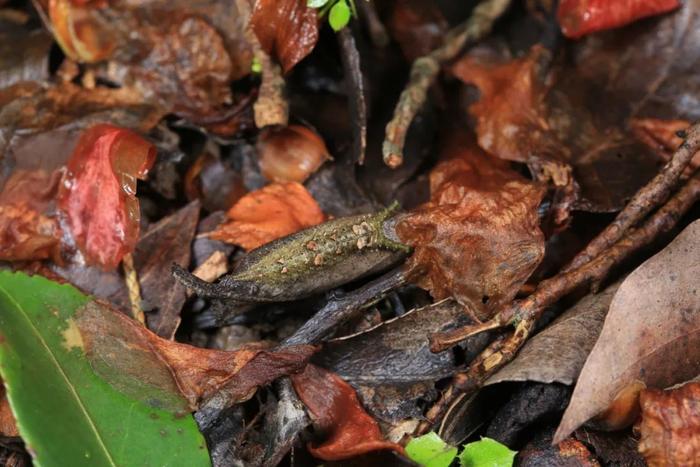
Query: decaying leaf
(670,426)
(478,238)
(391,365)
(272,212)
(287,29)
(580,17)
(174,375)
(558,353)
(98,192)
(347,429)
(164,243)
(290,154)
(651,333)
(534,111)
(417,26)
(26,232)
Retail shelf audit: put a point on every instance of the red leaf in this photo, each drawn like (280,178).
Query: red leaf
(580,17)
(98,192)
(336,410)
(287,28)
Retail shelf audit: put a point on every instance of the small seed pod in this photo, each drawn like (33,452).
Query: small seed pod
(308,262)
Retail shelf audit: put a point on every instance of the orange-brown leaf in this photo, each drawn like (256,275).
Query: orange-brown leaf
(670,426)
(286,28)
(272,212)
(98,192)
(478,238)
(348,430)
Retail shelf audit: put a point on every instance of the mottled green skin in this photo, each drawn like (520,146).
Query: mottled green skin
(313,260)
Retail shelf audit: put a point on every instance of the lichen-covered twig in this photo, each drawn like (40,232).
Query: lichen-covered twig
(647,199)
(271,106)
(425,70)
(523,314)
(355,89)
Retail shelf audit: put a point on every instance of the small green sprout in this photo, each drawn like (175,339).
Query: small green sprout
(431,451)
(339,11)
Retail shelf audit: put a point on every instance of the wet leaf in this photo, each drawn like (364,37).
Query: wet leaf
(27,63)
(98,192)
(46,372)
(290,154)
(486,452)
(347,429)
(477,204)
(286,28)
(430,451)
(272,212)
(580,17)
(650,333)
(558,353)
(670,425)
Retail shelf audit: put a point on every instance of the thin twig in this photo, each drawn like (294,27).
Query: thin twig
(647,199)
(134,289)
(425,70)
(340,309)
(524,314)
(354,87)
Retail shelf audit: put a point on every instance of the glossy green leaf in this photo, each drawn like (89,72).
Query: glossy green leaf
(66,413)
(486,453)
(339,16)
(430,450)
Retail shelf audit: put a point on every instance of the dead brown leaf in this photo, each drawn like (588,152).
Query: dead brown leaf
(174,375)
(287,29)
(348,430)
(670,426)
(8,426)
(478,238)
(272,212)
(419,27)
(558,353)
(566,128)
(651,333)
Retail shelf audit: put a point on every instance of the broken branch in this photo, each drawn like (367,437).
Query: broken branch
(425,70)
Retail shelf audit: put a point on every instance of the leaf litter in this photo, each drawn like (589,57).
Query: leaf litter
(208,190)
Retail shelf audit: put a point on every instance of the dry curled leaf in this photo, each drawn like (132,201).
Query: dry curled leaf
(578,18)
(478,238)
(98,192)
(287,29)
(651,333)
(290,154)
(272,212)
(670,426)
(348,430)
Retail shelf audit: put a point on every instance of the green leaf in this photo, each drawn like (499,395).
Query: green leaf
(65,412)
(486,453)
(316,3)
(339,15)
(430,451)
